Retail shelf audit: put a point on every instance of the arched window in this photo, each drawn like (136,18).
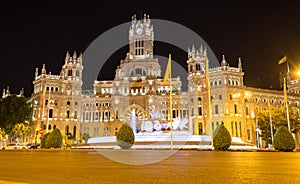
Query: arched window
(199,111)
(220,82)
(68,102)
(229,81)
(67,130)
(198,67)
(68,114)
(70,72)
(215,83)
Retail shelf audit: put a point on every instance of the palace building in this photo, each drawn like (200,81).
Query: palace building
(60,102)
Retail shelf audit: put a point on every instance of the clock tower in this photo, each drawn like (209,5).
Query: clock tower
(141,38)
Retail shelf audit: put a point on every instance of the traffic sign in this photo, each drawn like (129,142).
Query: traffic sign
(41,131)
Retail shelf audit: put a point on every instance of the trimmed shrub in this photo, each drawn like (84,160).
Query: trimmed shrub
(283,140)
(221,138)
(55,139)
(43,141)
(125,137)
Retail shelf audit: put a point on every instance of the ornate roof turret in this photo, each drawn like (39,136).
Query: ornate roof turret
(67,57)
(79,59)
(224,62)
(44,69)
(194,53)
(74,56)
(240,64)
(36,72)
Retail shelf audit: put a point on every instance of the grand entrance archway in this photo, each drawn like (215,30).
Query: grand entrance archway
(139,111)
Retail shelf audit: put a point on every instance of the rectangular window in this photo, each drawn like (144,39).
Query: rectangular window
(200,128)
(236,129)
(50,113)
(174,113)
(86,116)
(247,111)
(220,97)
(216,109)
(117,114)
(232,129)
(240,123)
(184,113)
(96,116)
(75,114)
(248,134)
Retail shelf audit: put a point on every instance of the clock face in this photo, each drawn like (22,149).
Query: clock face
(139,30)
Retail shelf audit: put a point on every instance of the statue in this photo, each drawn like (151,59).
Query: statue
(154,114)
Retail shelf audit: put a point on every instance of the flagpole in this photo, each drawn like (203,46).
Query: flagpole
(209,101)
(171,103)
(282,60)
(43,106)
(270,115)
(48,105)
(286,104)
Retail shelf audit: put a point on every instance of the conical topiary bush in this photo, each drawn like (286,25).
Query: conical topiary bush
(283,140)
(221,138)
(125,137)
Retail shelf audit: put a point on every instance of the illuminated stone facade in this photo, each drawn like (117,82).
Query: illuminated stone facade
(138,84)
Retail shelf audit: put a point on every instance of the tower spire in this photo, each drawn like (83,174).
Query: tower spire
(223,63)
(44,69)
(36,72)
(67,57)
(74,56)
(240,64)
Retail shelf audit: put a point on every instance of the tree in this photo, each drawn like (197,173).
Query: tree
(21,130)
(43,141)
(283,140)
(221,138)
(125,137)
(54,139)
(278,119)
(13,110)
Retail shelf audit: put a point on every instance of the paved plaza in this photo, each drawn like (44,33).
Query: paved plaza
(90,166)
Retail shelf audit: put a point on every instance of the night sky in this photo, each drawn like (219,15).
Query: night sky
(36,32)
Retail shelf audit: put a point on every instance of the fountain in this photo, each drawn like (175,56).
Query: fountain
(155,134)
(133,121)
